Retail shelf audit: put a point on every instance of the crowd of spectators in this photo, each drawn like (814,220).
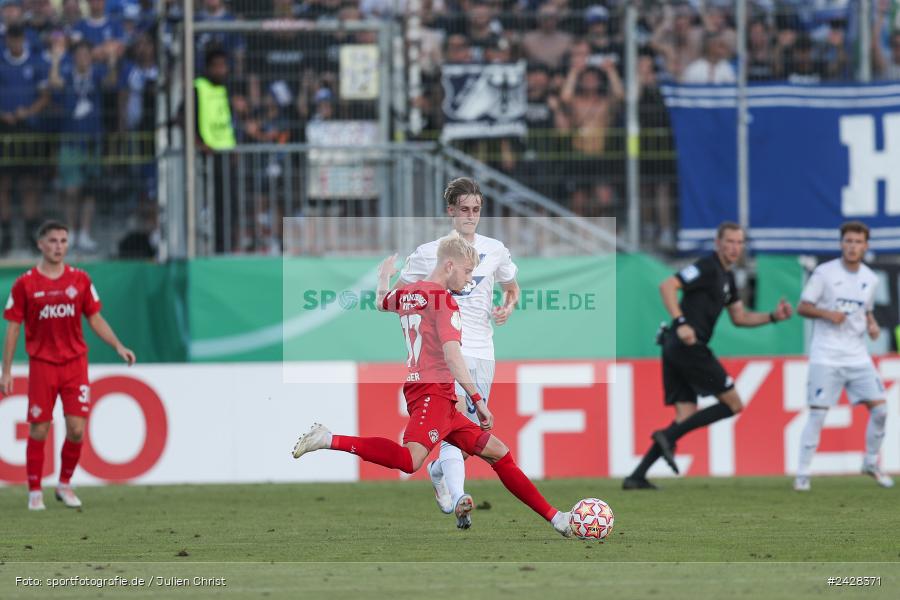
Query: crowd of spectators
(77,114)
(77,111)
(575,147)
(574,151)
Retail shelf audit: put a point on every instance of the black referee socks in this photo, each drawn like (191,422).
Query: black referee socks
(702,418)
(640,472)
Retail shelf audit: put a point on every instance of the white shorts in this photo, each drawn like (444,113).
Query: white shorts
(825,383)
(482,372)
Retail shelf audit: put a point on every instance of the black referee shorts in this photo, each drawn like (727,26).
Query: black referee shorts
(691,371)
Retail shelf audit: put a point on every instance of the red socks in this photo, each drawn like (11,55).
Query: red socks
(71,452)
(34,463)
(392,455)
(380,451)
(521,487)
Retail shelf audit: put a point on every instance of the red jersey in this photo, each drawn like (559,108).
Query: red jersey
(52,310)
(429,317)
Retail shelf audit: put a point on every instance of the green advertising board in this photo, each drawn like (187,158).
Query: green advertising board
(269,309)
(322,309)
(145,303)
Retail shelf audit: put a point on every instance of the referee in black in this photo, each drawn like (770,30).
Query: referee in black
(690,369)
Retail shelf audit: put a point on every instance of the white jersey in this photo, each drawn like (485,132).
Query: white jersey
(475,300)
(832,287)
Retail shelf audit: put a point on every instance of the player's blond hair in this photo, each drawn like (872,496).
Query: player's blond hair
(455,246)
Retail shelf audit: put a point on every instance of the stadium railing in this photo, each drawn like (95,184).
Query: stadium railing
(246,196)
(321,71)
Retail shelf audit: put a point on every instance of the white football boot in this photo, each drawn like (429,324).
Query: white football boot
(441,493)
(464,506)
(36,500)
(317,438)
(560,523)
(883,479)
(66,495)
(801,483)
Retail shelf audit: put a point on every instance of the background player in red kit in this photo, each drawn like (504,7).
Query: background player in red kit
(51,299)
(432,329)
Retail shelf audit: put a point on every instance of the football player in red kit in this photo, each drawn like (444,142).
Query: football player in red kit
(432,328)
(50,299)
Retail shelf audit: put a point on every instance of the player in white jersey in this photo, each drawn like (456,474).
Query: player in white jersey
(840,296)
(464,204)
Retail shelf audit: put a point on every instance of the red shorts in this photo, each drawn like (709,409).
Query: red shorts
(46,381)
(434,418)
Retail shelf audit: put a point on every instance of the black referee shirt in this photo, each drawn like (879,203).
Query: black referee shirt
(707,288)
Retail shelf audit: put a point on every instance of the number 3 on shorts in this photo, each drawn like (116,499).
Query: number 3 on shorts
(84,394)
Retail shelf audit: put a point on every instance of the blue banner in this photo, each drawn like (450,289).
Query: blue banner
(818,156)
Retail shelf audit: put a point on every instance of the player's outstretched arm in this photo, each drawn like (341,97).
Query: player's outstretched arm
(745,318)
(811,311)
(9,348)
(386,270)
(105,333)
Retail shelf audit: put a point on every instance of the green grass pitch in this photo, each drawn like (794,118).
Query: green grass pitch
(698,538)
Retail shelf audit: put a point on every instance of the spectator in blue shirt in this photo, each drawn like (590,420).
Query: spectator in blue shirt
(137,87)
(70,16)
(11,14)
(137,19)
(80,153)
(23,81)
(116,8)
(137,113)
(43,19)
(834,51)
(104,33)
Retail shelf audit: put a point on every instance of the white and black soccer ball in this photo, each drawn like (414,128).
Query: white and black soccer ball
(591,519)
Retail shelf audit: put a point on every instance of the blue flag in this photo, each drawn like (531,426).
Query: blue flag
(818,156)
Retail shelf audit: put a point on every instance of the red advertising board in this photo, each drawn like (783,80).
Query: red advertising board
(561,419)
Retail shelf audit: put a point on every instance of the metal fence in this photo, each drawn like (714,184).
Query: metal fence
(78,127)
(302,199)
(598,136)
(565,96)
(591,133)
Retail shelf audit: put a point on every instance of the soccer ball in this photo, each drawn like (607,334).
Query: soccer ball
(591,519)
